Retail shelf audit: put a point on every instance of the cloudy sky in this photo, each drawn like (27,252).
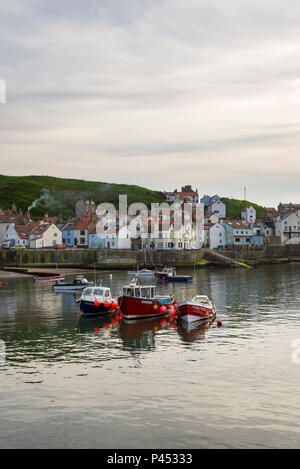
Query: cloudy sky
(158,93)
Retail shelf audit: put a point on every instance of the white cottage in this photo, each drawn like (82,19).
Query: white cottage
(288,228)
(45,236)
(217,236)
(249,214)
(218,208)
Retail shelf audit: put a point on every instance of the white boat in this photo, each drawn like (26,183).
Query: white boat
(78,284)
(141,272)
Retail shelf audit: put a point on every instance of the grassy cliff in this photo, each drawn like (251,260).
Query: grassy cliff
(58,195)
(234,207)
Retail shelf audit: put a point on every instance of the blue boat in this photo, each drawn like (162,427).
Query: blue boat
(168,274)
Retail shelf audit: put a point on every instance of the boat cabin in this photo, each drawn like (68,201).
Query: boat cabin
(169,271)
(96,293)
(139,291)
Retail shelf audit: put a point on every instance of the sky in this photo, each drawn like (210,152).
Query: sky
(158,93)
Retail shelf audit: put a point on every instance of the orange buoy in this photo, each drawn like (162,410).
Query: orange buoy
(172,313)
(155,306)
(163,309)
(97,303)
(97,330)
(107,304)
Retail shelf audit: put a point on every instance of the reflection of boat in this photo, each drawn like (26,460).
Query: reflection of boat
(97,300)
(93,323)
(168,274)
(137,334)
(193,331)
(49,279)
(141,272)
(199,308)
(78,284)
(139,301)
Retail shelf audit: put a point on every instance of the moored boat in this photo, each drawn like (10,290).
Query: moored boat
(79,283)
(55,278)
(199,308)
(168,274)
(141,272)
(97,301)
(140,301)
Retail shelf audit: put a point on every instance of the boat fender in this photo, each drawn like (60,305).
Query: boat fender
(97,303)
(219,323)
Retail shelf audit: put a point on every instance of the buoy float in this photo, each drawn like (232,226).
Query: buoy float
(219,323)
(106,326)
(172,313)
(107,304)
(97,330)
(155,306)
(97,303)
(163,309)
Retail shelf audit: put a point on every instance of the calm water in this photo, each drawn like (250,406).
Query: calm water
(74,383)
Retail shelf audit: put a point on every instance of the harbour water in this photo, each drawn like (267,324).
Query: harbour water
(69,382)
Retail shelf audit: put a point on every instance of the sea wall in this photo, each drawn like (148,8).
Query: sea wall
(124,258)
(104,258)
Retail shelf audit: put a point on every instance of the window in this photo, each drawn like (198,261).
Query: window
(82,240)
(82,232)
(137,292)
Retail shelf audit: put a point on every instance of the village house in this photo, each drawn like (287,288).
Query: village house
(67,230)
(217,236)
(287,227)
(81,235)
(16,235)
(238,232)
(85,208)
(45,236)
(218,208)
(187,195)
(249,214)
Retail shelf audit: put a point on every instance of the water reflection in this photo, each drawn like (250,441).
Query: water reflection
(193,331)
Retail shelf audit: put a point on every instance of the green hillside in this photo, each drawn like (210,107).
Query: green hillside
(58,195)
(234,207)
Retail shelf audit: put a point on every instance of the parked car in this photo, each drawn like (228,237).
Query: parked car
(60,246)
(19,247)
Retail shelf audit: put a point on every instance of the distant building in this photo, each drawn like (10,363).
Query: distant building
(45,236)
(249,214)
(286,208)
(217,236)
(238,232)
(85,208)
(187,194)
(287,227)
(218,208)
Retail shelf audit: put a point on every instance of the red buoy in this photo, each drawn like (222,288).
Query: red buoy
(97,303)
(219,323)
(163,309)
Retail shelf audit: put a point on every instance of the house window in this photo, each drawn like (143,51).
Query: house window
(82,240)
(82,232)
(237,240)
(180,245)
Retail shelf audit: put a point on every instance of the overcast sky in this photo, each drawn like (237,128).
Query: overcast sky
(155,93)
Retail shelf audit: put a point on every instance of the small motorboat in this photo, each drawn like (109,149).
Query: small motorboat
(141,272)
(199,308)
(97,301)
(168,274)
(78,284)
(55,278)
(140,301)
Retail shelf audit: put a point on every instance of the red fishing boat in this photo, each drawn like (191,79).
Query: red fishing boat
(199,308)
(49,279)
(140,301)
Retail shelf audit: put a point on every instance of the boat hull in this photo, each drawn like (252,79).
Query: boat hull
(89,308)
(174,278)
(136,308)
(191,312)
(48,279)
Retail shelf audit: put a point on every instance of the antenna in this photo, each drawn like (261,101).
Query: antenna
(245,189)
